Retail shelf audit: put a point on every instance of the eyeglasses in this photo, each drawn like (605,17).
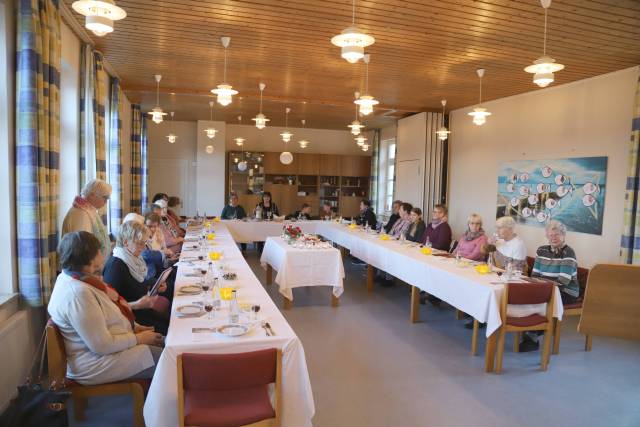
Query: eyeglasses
(105,198)
(475,223)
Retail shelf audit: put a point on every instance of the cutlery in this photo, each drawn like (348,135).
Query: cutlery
(264,326)
(270,329)
(200,330)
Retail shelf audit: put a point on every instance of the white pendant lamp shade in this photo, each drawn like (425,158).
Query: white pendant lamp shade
(360,140)
(544,67)
(261,120)
(352,40)
(224,91)
(303,142)
(172,137)
(242,166)
(443,132)
(366,102)
(157,113)
(99,15)
(209,149)
(211,131)
(286,158)
(239,141)
(479,113)
(286,135)
(365,147)
(355,127)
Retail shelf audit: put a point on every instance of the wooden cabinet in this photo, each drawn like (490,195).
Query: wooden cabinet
(350,206)
(273,166)
(313,201)
(308,164)
(285,196)
(355,166)
(248,202)
(330,165)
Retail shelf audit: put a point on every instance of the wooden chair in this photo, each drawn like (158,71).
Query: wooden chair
(57,364)
(229,390)
(527,293)
(611,305)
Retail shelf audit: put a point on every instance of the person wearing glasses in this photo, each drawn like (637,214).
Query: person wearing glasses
(233,210)
(84,214)
(473,240)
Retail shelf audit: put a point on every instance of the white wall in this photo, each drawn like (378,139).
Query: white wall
(211,169)
(590,117)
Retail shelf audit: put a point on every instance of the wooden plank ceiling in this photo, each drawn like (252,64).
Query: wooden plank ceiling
(425,51)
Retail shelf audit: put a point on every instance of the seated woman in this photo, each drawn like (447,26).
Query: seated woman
(401,226)
(103,343)
(367,217)
(126,272)
(473,240)
(156,240)
(326,213)
(266,209)
(172,205)
(510,248)
(233,210)
(171,234)
(416,229)
(395,216)
(302,214)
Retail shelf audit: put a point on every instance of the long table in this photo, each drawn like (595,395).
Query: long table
(161,407)
(461,287)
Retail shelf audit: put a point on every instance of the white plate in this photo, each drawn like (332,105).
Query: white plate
(189,310)
(233,329)
(190,289)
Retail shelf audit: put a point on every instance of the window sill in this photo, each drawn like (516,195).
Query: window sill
(9,305)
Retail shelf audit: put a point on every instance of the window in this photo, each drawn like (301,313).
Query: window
(386,176)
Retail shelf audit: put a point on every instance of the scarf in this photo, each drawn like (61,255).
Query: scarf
(472,235)
(97,226)
(137,266)
(436,222)
(97,283)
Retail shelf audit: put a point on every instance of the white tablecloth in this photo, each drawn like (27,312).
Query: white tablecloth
(161,407)
(258,231)
(303,267)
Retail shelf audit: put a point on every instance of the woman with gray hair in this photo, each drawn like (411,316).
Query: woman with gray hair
(510,248)
(126,272)
(84,214)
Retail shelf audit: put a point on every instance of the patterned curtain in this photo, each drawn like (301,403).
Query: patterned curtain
(136,159)
(92,117)
(375,166)
(115,155)
(37,146)
(144,164)
(630,242)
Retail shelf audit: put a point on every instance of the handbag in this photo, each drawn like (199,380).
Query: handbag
(37,405)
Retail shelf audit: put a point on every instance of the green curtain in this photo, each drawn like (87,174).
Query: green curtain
(37,146)
(115,155)
(630,242)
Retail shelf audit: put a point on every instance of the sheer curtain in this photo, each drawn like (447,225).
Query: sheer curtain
(630,242)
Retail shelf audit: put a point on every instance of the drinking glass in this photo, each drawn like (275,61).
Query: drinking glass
(208,305)
(255,308)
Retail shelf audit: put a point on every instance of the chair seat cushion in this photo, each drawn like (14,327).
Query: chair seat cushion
(145,384)
(227,408)
(534,319)
(573,305)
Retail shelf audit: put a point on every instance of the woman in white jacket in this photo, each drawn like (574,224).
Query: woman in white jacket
(102,341)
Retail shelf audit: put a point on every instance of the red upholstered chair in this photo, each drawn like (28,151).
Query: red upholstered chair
(57,365)
(229,390)
(527,293)
(574,309)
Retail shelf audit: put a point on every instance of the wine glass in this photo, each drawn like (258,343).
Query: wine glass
(255,308)
(208,305)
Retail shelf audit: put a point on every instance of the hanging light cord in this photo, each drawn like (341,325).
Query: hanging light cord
(366,79)
(260,101)
(544,45)
(480,102)
(286,118)
(225,65)
(353,13)
(157,93)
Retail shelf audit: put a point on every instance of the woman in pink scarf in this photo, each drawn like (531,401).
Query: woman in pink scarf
(472,241)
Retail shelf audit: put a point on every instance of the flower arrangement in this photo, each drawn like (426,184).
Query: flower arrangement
(291,232)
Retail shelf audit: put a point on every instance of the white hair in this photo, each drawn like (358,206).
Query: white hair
(132,231)
(506,222)
(555,225)
(96,187)
(135,217)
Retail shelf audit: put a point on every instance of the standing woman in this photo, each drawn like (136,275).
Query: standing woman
(473,240)
(84,215)
(417,227)
(267,206)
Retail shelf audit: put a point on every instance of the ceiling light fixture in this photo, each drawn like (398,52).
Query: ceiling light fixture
(286,135)
(224,90)
(480,114)
(239,140)
(157,113)
(360,140)
(99,15)
(366,102)
(544,67)
(365,147)
(211,131)
(261,120)
(171,137)
(303,142)
(443,132)
(355,125)
(352,40)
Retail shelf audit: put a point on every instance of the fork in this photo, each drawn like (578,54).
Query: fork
(264,326)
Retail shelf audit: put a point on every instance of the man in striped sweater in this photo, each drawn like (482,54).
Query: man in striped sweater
(556,262)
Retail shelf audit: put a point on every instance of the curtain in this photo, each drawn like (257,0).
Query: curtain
(37,146)
(375,172)
(92,116)
(138,159)
(630,242)
(115,155)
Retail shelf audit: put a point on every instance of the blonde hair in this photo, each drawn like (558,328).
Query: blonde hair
(506,222)
(132,231)
(476,217)
(96,187)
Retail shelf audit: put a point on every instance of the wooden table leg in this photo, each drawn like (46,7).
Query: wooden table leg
(335,301)
(370,275)
(269,274)
(415,304)
(490,352)
(287,303)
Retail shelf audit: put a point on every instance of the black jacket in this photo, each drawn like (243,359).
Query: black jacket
(392,220)
(415,231)
(367,217)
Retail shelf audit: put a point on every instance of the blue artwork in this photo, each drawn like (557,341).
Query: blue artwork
(568,190)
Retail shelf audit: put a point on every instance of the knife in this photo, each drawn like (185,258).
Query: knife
(270,329)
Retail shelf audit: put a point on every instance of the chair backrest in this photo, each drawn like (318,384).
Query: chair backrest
(229,371)
(529,293)
(530,261)
(611,305)
(583,276)
(56,354)
(453,246)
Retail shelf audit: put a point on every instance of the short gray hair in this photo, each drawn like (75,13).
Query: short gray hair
(96,187)
(555,225)
(132,232)
(476,217)
(506,222)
